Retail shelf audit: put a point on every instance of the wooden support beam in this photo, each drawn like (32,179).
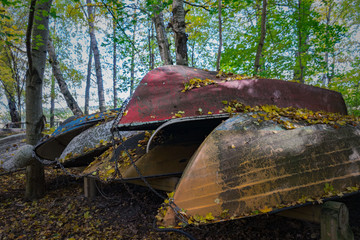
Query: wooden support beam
(309,213)
(334,222)
(332,216)
(90,190)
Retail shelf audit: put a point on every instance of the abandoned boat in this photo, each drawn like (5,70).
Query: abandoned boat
(244,145)
(52,146)
(230,146)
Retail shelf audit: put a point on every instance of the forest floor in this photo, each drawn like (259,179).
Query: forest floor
(64,213)
(124,213)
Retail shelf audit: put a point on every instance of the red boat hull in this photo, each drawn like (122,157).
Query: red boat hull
(159,95)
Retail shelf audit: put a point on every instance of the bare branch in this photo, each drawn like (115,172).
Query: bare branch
(205,7)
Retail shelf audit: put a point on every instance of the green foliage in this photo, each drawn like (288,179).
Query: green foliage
(328,28)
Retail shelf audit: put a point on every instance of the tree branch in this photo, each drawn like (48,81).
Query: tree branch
(205,7)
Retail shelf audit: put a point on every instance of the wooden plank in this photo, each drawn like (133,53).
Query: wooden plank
(308,213)
(90,190)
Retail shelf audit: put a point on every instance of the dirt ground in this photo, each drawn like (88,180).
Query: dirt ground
(64,213)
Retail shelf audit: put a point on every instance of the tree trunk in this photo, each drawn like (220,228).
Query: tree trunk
(303,9)
(151,50)
(178,27)
(14,114)
(88,83)
(35,179)
(114,64)
(16,76)
(96,52)
(52,101)
(132,64)
(193,54)
(301,67)
(220,39)
(327,76)
(162,39)
(262,38)
(70,101)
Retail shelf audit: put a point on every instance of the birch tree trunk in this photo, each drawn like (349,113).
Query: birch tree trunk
(220,38)
(151,50)
(162,39)
(70,101)
(178,27)
(301,67)
(327,76)
(88,83)
(262,37)
(96,52)
(114,64)
(303,8)
(36,42)
(132,64)
(52,101)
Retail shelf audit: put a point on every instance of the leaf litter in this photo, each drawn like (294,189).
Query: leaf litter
(64,213)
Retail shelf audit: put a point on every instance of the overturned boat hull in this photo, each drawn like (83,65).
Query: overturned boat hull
(245,167)
(52,147)
(162,95)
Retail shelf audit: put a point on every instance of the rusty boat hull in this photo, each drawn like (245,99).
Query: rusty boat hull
(245,167)
(161,99)
(161,96)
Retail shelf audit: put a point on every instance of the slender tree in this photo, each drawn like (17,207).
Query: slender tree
(114,64)
(220,37)
(262,37)
(327,75)
(96,52)
(303,23)
(178,27)
(52,102)
(132,63)
(161,37)
(88,82)
(36,39)
(70,100)
(151,49)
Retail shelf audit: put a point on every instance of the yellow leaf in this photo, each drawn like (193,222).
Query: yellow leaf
(265,209)
(110,171)
(209,217)
(87,215)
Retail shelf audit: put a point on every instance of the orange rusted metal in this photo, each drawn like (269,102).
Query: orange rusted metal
(245,167)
